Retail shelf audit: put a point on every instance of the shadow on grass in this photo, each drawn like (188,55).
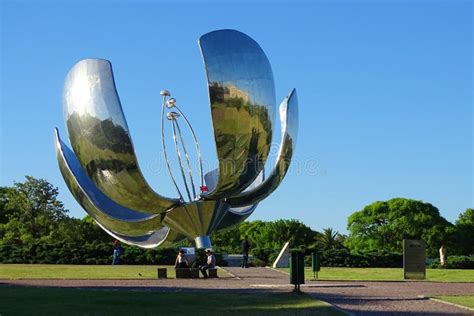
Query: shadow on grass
(54,301)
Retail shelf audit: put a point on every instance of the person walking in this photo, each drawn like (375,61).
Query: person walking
(245,253)
(117,252)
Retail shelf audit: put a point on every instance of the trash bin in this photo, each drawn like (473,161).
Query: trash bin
(297,269)
(315,264)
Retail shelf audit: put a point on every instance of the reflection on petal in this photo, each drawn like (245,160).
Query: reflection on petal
(114,217)
(164,237)
(101,140)
(242,97)
(289,128)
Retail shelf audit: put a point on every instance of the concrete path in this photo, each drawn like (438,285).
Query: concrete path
(368,298)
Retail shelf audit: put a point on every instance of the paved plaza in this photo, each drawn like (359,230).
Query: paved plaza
(354,297)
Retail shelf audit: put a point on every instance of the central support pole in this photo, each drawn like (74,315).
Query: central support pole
(203,242)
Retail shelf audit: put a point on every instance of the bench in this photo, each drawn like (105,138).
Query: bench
(193,273)
(183,273)
(212,273)
(162,273)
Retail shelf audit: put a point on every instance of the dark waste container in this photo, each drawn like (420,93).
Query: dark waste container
(297,269)
(315,263)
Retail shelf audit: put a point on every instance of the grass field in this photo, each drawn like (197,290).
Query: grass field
(46,301)
(466,300)
(59,271)
(389,274)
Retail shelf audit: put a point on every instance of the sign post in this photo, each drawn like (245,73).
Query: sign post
(414,259)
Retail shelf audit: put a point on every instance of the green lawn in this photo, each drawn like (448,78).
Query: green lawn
(467,300)
(389,274)
(53,301)
(59,271)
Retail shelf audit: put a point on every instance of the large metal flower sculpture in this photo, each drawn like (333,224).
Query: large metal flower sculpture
(103,173)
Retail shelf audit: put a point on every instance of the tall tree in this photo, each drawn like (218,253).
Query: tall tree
(275,234)
(464,233)
(329,239)
(33,212)
(384,225)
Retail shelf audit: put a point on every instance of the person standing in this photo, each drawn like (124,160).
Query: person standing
(117,252)
(245,252)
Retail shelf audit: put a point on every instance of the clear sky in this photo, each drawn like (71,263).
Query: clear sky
(385,92)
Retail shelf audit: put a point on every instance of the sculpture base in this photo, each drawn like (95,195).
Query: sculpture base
(203,242)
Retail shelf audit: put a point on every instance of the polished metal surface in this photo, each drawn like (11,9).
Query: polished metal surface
(186,156)
(101,140)
(164,237)
(196,144)
(242,97)
(180,163)
(195,219)
(203,242)
(103,173)
(289,132)
(163,143)
(115,219)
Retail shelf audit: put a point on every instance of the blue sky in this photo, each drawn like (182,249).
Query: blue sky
(385,92)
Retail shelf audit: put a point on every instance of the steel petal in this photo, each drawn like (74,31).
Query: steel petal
(114,217)
(289,132)
(242,97)
(101,140)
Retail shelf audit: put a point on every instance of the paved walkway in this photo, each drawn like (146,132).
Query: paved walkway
(355,297)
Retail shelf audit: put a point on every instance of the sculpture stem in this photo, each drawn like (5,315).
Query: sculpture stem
(164,148)
(187,158)
(196,144)
(173,121)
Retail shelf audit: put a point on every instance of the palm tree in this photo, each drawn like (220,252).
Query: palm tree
(330,239)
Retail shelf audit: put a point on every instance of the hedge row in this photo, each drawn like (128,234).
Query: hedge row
(89,253)
(455,262)
(337,258)
(101,253)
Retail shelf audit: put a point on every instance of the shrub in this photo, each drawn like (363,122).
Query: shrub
(455,262)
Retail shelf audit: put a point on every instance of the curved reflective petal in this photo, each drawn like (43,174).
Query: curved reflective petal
(211,179)
(101,140)
(242,97)
(289,128)
(114,217)
(163,237)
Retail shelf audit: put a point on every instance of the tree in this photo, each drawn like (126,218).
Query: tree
(384,224)
(265,235)
(464,233)
(275,234)
(329,239)
(32,212)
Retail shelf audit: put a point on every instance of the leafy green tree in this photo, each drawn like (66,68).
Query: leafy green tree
(265,235)
(464,233)
(329,239)
(33,212)
(383,225)
(275,234)
(3,202)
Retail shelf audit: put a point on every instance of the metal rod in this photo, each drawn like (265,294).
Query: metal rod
(187,158)
(179,159)
(196,143)
(164,148)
